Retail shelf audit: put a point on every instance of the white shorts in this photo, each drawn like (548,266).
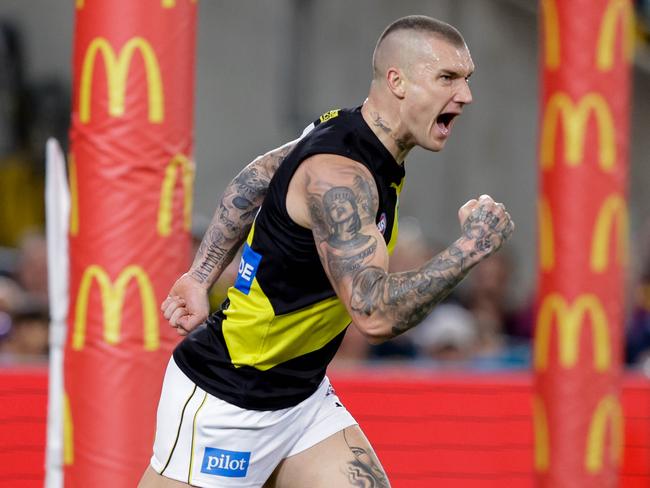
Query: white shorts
(203,441)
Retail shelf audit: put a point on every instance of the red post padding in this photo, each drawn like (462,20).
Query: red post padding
(131,175)
(579,427)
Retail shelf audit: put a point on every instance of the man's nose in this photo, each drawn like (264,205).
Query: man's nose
(464,93)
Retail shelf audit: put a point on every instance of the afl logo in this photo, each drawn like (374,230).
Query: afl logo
(381,225)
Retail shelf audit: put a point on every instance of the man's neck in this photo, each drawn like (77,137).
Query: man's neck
(386,127)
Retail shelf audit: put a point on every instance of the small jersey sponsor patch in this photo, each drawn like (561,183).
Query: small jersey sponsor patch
(219,462)
(381,225)
(250,261)
(329,115)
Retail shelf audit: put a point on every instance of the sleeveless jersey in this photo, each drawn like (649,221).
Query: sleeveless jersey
(269,345)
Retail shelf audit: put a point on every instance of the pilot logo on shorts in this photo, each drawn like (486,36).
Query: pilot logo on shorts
(381,225)
(219,462)
(250,261)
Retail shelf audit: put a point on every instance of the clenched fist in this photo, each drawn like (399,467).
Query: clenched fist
(187,304)
(485,225)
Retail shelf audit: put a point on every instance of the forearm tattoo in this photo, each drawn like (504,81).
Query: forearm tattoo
(406,298)
(338,216)
(364,471)
(234,215)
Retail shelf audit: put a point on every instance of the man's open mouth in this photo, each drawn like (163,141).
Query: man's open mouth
(443,121)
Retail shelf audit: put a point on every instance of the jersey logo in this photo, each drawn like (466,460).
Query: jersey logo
(250,261)
(381,225)
(219,462)
(329,115)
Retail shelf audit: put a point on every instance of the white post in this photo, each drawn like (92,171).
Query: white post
(57,198)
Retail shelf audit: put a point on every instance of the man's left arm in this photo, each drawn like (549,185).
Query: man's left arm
(187,303)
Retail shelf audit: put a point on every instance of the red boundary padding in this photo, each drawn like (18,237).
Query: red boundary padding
(452,431)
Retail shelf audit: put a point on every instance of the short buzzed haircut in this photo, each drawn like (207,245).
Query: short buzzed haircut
(420,23)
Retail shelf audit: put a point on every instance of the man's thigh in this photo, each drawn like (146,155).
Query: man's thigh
(151,479)
(343,459)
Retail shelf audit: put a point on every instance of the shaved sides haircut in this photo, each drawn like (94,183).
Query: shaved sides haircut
(419,24)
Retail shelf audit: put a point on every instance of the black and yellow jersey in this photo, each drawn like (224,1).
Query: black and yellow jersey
(269,346)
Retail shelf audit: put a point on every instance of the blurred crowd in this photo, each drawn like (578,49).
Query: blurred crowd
(479,325)
(30,111)
(24,320)
(643,18)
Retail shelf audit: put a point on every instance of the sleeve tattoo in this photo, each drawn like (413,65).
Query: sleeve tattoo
(338,216)
(234,215)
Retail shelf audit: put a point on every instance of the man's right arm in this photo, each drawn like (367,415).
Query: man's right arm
(187,304)
(337,199)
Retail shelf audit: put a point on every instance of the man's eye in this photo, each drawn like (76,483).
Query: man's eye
(445,77)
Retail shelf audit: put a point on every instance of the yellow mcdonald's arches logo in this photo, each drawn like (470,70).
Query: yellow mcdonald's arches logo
(186,166)
(165,3)
(613,209)
(112,295)
(172,3)
(617,12)
(74,195)
(117,70)
(608,411)
(574,122)
(569,321)
(542,442)
(68,432)
(546,235)
(551,25)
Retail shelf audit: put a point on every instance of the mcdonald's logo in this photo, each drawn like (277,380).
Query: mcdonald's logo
(574,118)
(542,441)
(613,209)
(551,27)
(117,70)
(112,294)
(165,3)
(172,3)
(569,322)
(546,236)
(617,12)
(68,432)
(186,166)
(74,195)
(608,411)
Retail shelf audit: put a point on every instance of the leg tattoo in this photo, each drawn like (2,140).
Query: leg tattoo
(364,472)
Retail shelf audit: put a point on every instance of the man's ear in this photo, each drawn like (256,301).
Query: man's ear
(396,82)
